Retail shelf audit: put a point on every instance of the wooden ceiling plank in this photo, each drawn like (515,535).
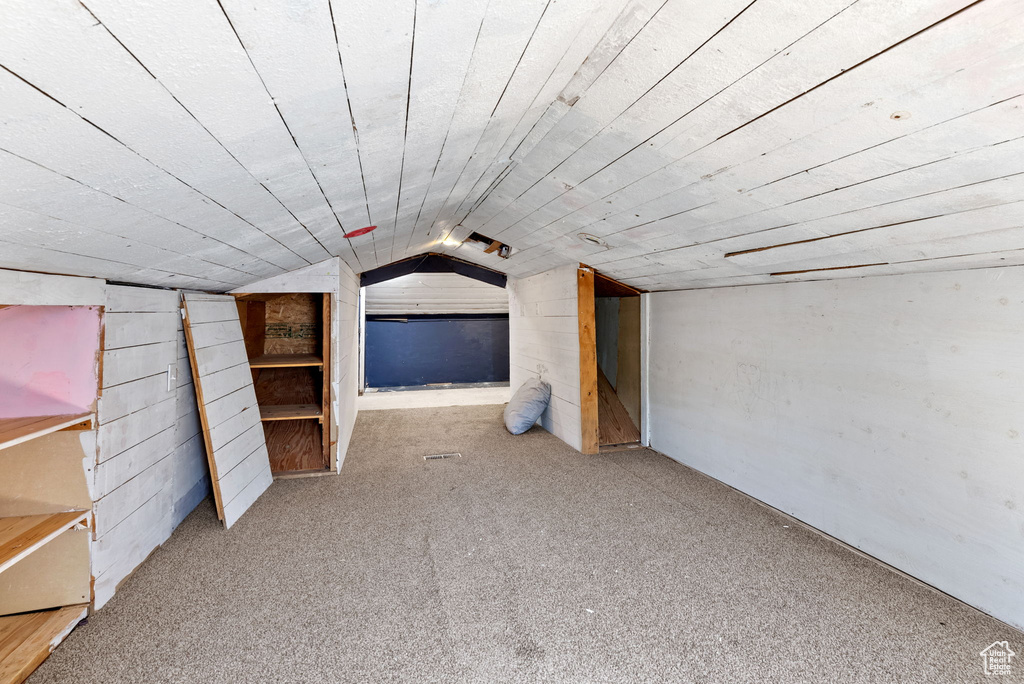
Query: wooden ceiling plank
(86,69)
(446,42)
(198,58)
(844,137)
(676,31)
(820,110)
(996,195)
(102,163)
(619,35)
(43,192)
(958,168)
(494,95)
(974,232)
(658,157)
(948,142)
(713,67)
(507,23)
(48,260)
(296,55)
(25,227)
(556,28)
(974,196)
(1008,123)
(375,40)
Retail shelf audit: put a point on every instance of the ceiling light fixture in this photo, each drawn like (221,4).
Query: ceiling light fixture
(592,239)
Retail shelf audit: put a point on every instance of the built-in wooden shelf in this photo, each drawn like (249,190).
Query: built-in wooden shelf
(286,361)
(17,430)
(21,535)
(27,639)
(290,412)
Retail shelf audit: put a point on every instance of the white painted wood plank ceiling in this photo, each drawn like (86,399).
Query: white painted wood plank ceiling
(212,143)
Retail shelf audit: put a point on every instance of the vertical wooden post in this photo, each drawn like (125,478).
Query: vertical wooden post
(588,361)
(325,351)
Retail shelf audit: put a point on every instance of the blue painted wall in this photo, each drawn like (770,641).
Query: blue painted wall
(434,349)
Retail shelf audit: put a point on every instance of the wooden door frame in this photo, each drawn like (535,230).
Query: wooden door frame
(589,432)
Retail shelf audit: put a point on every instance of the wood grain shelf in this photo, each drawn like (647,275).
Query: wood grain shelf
(286,361)
(290,412)
(27,639)
(21,535)
(17,430)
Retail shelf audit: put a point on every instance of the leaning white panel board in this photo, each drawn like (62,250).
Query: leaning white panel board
(235,444)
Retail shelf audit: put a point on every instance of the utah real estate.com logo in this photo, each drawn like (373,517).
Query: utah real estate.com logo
(998,658)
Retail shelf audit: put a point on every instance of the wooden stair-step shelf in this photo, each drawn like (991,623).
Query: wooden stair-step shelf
(290,412)
(27,639)
(286,361)
(17,430)
(21,535)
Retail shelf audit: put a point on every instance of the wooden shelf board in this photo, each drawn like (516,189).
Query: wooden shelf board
(17,430)
(286,361)
(27,639)
(290,412)
(295,474)
(21,535)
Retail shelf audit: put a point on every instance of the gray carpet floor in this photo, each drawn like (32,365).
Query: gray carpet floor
(521,561)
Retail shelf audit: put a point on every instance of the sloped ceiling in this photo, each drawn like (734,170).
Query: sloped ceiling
(212,143)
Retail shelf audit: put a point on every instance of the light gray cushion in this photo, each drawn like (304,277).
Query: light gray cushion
(526,405)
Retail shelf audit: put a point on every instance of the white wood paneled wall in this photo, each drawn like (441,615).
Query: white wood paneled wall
(345,328)
(435,293)
(39,289)
(887,412)
(544,342)
(149,473)
(191,480)
(336,277)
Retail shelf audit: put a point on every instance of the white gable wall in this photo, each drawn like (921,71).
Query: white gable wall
(435,293)
(887,412)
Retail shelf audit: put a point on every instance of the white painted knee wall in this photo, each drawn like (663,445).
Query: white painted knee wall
(887,412)
(544,342)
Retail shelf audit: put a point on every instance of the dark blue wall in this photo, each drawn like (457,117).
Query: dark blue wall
(433,349)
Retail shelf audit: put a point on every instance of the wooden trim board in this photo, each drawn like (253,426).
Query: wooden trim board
(589,433)
(326,325)
(207,442)
(286,361)
(21,535)
(290,412)
(17,430)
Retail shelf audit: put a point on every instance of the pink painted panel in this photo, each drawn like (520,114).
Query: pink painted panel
(48,360)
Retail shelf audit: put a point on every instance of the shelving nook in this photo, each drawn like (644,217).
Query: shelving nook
(48,393)
(287,339)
